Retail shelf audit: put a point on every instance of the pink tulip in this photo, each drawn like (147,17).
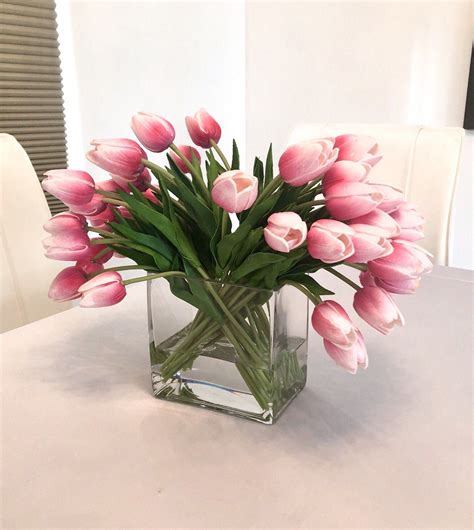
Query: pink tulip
(119,156)
(333,324)
(151,196)
(410,220)
(367,279)
(392,197)
(394,286)
(66,284)
(376,307)
(109,185)
(407,262)
(67,246)
(349,358)
(347,200)
(89,267)
(100,219)
(203,129)
(69,186)
(95,206)
(376,222)
(154,132)
(358,148)
(234,191)
(65,221)
(285,231)
(96,248)
(347,171)
(103,290)
(188,153)
(330,241)
(143,181)
(368,247)
(125,212)
(304,162)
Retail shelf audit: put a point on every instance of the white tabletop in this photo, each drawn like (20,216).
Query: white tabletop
(85,444)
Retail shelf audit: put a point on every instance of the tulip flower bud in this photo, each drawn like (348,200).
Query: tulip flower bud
(368,247)
(65,221)
(103,290)
(410,221)
(95,206)
(119,156)
(333,324)
(150,196)
(100,219)
(89,267)
(66,284)
(330,241)
(304,162)
(69,186)
(346,171)
(358,148)
(154,132)
(347,200)
(95,249)
(188,153)
(234,191)
(285,231)
(376,222)
(349,358)
(392,197)
(203,129)
(376,307)
(109,185)
(67,246)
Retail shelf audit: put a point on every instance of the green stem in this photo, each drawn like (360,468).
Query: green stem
(225,223)
(99,231)
(314,298)
(309,204)
(221,155)
(154,277)
(124,268)
(359,266)
(199,180)
(270,188)
(115,202)
(343,278)
(108,240)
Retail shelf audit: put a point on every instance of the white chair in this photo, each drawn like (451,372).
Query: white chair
(423,161)
(25,273)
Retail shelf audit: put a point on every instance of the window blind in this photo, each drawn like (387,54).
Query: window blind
(31,98)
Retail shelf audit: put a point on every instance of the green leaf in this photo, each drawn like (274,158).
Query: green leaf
(269,166)
(212,168)
(179,175)
(255,262)
(249,244)
(200,290)
(235,156)
(258,172)
(309,283)
(228,243)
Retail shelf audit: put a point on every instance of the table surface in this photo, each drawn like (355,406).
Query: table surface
(85,444)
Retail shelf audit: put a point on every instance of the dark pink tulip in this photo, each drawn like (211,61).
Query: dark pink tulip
(203,129)
(392,197)
(330,241)
(346,170)
(89,267)
(376,222)
(358,148)
(368,246)
(154,132)
(285,231)
(119,156)
(125,212)
(95,206)
(100,219)
(188,153)
(235,191)
(347,200)
(103,290)
(67,246)
(304,162)
(410,220)
(333,324)
(349,358)
(376,307)
(407,262)
(66,284)
(95,249)
(69,186)
(151,196)
(143,181)
(65,221)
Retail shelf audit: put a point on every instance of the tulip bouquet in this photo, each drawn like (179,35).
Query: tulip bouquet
(230,228)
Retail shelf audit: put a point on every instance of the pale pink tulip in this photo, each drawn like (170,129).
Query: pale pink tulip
(69,186)
(306,161)
(95,206)
(376,307)
(358,148)
(188,152)
(392,197)
(376,222)
(67,246)
(66,284)
(89,267)
(95,249)
(407,262)
(368,247)
(285,231)
(410,220)
(367,279)
(347,200)
(151,196)
(203,129)
(330,241)
(333,324)
(65,221)
(234,191)
(398,286)
(349,358)
(347,171)
(109,185)
(103,290)
(119,156)
(154,132)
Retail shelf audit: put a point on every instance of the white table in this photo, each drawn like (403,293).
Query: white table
(85,445)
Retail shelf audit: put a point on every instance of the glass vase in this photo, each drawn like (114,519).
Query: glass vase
(229,348)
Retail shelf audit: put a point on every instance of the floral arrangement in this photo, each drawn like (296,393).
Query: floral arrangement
(216,222)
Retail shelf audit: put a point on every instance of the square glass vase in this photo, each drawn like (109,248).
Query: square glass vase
(227,347)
